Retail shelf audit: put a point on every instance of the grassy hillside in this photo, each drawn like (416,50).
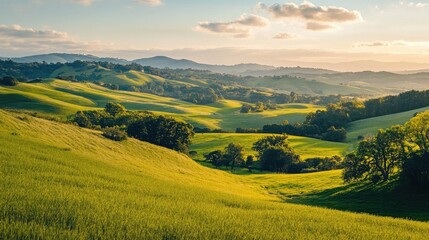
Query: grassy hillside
(71,183)
(306,147)
(305,86)
(370,126)
(65,98)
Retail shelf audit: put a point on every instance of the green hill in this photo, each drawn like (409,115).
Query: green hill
(63,182)
(65,98)
(370,126)
(306,147)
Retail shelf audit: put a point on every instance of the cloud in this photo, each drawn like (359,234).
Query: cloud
(311,12)
(414,4)
(150,2)
(83,2)
(315,26)
(240,28)
(379,44)
(285,35)
(18,38)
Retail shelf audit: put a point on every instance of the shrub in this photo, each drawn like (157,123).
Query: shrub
(9,81)
(114,133)
(335,135)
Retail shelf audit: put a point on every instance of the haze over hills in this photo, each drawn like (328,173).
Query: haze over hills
(251,69)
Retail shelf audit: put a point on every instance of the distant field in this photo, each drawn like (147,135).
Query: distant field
(306,147)
(65,98)
(370,126)
(71,183)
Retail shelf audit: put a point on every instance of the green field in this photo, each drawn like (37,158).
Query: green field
(65,98)
(305,147)
(370,126)
(63,182)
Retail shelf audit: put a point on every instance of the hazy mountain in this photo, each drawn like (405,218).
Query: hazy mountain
(390,82)
(291,71)
(65,57)
(166,62)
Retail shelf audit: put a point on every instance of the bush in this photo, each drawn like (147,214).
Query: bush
(277,159)
(9,81)
(335,135)
(114,133)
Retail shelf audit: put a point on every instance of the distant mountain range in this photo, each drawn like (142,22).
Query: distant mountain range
(248,69)
(245,69)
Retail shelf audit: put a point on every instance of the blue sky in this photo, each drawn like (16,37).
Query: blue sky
(220,31)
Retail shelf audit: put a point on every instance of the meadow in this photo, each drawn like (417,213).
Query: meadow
(306,147)
(62,98)
(71,183)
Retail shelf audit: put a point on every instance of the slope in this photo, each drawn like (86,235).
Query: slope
(70,183)
(370,126)
(64,98)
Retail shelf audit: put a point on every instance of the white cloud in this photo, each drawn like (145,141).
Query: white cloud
(150,2)
(240,28)
(285,35)
(311,12)
(379,44)
(315,26)
(18,38)
(316,18)
(83,2)
(414,4)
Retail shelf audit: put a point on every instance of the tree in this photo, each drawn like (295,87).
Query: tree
(214,157)
(263,144)
(278,159)
(163,131)
(418,131)
(377,157)
(335,135)
(249,162)
(234,155)
(416,168)
(9,81)
(114,109)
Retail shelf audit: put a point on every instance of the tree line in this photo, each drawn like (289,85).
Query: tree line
(117,123)
(274,154)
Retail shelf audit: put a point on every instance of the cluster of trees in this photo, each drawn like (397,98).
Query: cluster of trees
(232,156)
(397,150)
(258,107)
(8,81)
(116,123)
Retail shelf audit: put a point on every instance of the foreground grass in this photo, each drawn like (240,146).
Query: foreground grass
(327,189)
(63,182)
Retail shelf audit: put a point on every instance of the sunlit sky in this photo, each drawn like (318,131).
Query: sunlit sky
(221,31)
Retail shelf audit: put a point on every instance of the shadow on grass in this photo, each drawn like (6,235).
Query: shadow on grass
(392,199)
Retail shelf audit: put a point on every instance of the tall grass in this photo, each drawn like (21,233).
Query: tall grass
(62,182)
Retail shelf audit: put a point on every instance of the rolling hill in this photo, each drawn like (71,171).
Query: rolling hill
(71,183)
(64,98)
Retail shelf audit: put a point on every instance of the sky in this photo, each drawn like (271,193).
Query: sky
(273,32)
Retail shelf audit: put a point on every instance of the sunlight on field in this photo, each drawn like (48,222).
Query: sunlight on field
(69,183)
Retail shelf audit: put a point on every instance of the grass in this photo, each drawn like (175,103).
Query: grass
(65,98)
(370,126)
(305,147)
(63,182)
